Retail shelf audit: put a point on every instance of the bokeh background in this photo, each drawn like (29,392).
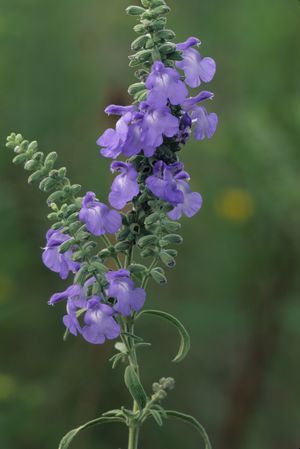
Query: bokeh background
(236,285)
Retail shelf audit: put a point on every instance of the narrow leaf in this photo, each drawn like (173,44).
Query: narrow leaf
(184,336)
(190,420)
(155,414)
(68,438)
(135,387)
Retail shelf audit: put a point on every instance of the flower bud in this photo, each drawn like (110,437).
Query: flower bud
(20,159)
(173,239)
(39,156)
(148,240)
(80,276)
(74,227)
(165,34)
(171,252)
(135,10)
(31,165)
(141,74)
(36,176)
(156,12)
(47,184)
(148,252)
(168,260)
(24,145)
(140,57)
(140,42)
(158,24)
(66,245)
(166,48)
(104,253)
(62,172)
(123,234)
(142,95)
(172,226)
(122,246)
(158,276)
(56,196)
(135,228)
(136,268)
(50,160)
(121,347)
(175,56)
(140,28)
(151,219)
(33,146)
(76,189)
(136,88)
(52,216)
(154,3)
(97,267)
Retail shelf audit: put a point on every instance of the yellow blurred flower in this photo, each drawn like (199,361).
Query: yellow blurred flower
(6,287)
(8,387)
(235,204)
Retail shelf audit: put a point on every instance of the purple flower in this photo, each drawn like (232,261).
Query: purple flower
(125,186)
(195,67)
(169,183)
(190,42)
(165,85)
(113,139)
(53,259)
(156,124)
(75,294)
(76,297)
(191,102)
(163,182)
(121,287)
(205,123)
(97,217)
(192,202)
(70,320)
(99,322)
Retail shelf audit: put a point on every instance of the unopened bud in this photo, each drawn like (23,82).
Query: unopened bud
(168,260)
(135,10)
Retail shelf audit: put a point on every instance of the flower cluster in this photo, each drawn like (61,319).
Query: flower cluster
(145,134)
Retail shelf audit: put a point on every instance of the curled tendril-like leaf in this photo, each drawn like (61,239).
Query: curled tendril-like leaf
(192,421)
(68,438)
(184,336)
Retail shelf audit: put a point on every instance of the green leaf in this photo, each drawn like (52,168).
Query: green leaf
(135,387)
(156,415)
(184,336)
(68,438)
(190,420)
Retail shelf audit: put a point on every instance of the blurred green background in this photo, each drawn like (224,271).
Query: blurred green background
(236,285)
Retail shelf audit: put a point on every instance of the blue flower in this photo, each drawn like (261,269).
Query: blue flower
(170,184)
(164,85)
(97,217)
(196,68)
(125,186)
(121,287)
(56,261)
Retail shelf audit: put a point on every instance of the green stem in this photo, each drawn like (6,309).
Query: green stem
(108,243)
(134,427)
(134,430)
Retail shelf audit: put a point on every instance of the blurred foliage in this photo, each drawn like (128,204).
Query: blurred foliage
(236,285)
